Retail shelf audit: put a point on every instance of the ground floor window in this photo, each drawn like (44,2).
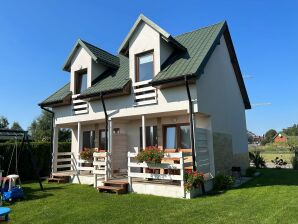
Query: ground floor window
(88,139)
(102,139)
(177,136)
(151,136)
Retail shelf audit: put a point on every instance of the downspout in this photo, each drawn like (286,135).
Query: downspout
(52,125)
(191,126)
(106,120)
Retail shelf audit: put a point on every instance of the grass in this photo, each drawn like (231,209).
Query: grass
(271,156)
(269,198)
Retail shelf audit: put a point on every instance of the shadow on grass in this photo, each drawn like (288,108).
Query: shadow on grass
(34,193)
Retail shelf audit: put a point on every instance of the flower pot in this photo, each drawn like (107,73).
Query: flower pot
(193,193)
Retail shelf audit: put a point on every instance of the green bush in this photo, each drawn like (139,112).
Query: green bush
(41,151)
(294,161)
(250,171)
(223,182)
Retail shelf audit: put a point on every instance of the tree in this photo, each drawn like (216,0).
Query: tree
(16,126)
(291,131)
(269,136)
(40,129)
(3,122)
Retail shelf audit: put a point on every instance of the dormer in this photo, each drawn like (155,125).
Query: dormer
(148,46)
(86,64)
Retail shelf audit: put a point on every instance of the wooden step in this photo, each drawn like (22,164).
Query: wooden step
(116,183)
(58,179)
(117,190)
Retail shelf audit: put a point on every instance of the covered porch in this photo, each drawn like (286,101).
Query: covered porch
(126,137)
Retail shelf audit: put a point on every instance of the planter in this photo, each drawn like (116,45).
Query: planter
(193,193)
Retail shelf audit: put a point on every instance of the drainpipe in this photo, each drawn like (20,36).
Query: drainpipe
(106,120)
(52,125)
(191,126)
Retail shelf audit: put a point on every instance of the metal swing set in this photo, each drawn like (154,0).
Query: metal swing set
(11,187)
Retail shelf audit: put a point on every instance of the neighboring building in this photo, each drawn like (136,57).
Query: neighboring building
(144,91)
(10,136)
(280,137)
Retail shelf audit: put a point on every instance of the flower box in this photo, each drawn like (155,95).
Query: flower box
(193,193)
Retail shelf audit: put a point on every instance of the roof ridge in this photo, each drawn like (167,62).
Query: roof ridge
(85,42)
(201,28)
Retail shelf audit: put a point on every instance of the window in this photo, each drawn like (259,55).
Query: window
(88,139)
(102,139)
(151,136)
(177,136)
(144,67)
(81,81)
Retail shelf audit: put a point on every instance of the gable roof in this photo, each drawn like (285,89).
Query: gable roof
(97,54)
(200,45)
(163,33)
(58,96)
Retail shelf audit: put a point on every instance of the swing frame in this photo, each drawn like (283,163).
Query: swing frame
(25,142)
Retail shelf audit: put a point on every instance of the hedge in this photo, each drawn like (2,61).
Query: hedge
(40,150)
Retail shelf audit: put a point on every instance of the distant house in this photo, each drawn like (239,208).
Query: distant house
(6,136)
(280,137)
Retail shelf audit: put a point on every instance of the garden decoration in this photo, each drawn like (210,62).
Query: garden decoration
(4,211)
(193,179)
(151,155)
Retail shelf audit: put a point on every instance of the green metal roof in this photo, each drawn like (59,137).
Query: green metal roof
(111,80)
(58,96)
(199,44)
(97,54)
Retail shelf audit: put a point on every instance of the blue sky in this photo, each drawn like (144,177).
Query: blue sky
(37,36)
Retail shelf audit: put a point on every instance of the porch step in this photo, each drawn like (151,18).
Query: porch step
(117,190)
(58,180)
(119,187)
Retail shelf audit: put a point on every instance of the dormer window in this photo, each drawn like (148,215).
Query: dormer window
(144,66)
(81,81)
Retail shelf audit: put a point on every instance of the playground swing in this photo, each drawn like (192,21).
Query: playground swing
(11,188)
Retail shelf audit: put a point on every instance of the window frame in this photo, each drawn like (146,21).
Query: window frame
(77,83)
(178,133)
(137,64)
(99,139)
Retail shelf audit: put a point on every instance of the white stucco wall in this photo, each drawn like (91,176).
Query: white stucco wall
(219,96)
(81,60)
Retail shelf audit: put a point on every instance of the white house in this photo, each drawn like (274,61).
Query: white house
(184,94)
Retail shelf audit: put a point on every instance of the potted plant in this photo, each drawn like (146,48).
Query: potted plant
(193,183)
(150,155)
(87,154)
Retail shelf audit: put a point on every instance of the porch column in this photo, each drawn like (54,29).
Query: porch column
(55,149)
(79,138)
(143,132)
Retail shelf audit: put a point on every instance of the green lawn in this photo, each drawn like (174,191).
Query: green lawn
(269,198)
(271,156)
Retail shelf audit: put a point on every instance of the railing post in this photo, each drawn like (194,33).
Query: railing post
(94,168)
(55,149)
(128,173)
(182,173)
(106,166)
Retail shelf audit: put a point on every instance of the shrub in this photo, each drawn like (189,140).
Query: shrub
(294,161)
(278,162)
(257,159)
(193,179)
(40,150)
(151,154)
(223,182)
(250,171)
(87,154)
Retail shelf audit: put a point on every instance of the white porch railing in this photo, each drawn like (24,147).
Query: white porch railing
(144,93)
(84,165)
(100,166)
(79,106)
(65,161)
(139,174)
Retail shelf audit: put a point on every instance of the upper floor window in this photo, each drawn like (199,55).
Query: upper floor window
(81,81)
(144,66)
